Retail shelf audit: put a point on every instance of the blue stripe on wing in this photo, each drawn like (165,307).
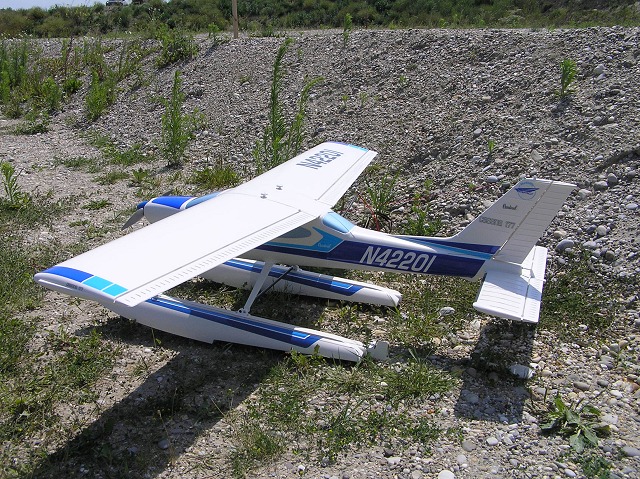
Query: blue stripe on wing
(87,279)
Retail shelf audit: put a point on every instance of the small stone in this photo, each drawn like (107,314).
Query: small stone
(584,193)
(446,474)
(564,245)
(492,441)
(631,206)
(581,385)
(492,179)
(394,460)
(599,70)
(163,444)
(569,473)
(446,311)
(600,185)
(610,255)
(461,459)
(630,451)
(612,179)
(601,230)
(477,132)
(535,155)
(468,446)
(416,474)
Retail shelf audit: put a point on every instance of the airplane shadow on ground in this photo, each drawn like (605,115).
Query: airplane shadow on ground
(142,434)
(489,391)
(145,432)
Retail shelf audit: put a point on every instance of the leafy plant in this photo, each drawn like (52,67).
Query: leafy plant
(568,73)
(97,204)
(280,142)
(346,29)
(579,423)
(101,94)
(177,127)
(35,122)
(177,45)
(491,145)
(380,200)
(221,176)
(419,223)
(16,198)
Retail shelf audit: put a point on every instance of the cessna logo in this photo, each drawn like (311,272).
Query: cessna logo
(509,207)
(319,159)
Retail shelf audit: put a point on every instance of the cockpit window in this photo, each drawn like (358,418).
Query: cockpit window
(337,222)
(297,233)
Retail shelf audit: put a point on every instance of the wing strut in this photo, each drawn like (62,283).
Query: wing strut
(264,274)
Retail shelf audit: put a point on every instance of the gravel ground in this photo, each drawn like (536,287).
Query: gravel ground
(429,101)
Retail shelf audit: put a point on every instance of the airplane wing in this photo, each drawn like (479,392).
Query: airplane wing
(149,261)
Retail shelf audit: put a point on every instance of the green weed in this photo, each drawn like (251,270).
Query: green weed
(346,29)
(177,127)
(101,94)
(97,204)
(15,197)
(177,45)
(281,142)
(578,422)
(35,122)
(216,178)
(568,73)
(380,200)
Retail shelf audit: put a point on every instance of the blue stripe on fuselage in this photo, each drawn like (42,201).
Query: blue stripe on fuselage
(352,252)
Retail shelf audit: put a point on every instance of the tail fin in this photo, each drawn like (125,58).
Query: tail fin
(516,221)
(514,276)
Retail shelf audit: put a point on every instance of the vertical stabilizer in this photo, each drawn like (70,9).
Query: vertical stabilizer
(517,220)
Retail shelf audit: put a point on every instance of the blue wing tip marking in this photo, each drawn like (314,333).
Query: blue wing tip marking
(87,279)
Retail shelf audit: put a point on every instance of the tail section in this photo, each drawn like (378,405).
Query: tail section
(514,276)
(516,221)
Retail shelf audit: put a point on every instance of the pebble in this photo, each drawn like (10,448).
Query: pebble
(492,179)
(630,451)
(468,445)
(446,474)
(492,441)
(582,386)
(163,444)
(564,245)
(601,230)
(446,311)
(600,185)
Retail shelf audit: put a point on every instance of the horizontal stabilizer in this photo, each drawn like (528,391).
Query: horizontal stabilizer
(514,291)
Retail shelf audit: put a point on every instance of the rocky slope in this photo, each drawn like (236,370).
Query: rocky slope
(430,102)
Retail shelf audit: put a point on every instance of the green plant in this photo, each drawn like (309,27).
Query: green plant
(101,94)
(346,29)
(221,176)
(97,204)
(177,127)
(380,200)
(36,121)
(281,142)
(71,85)
(51,95)
(16,198)
(491,145)
(139,176)
(578,422)
(177,45)
(418,223)
(568,73)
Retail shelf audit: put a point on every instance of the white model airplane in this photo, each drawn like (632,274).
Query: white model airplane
(284,217)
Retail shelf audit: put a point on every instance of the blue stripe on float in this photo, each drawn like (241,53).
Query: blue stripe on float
(277,333)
